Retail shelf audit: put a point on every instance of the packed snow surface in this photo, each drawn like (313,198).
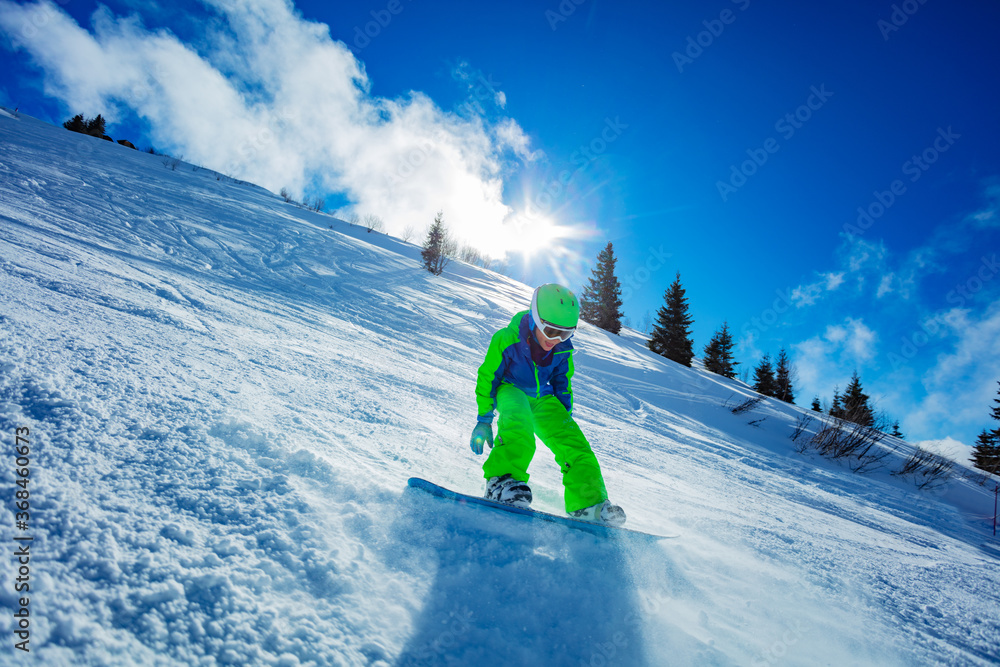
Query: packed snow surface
(226,393)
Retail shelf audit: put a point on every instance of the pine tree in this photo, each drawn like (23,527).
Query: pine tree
(783,378)
(719,353)
(995,413)
(671,334)
(763,377)
(836,408)
(855,401)
(601,301)
(76,124)
(711,355)
(986,452)
(896,433)
(816,407)
(95,126)
(435,249)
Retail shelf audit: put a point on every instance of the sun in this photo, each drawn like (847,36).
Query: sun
(535,234)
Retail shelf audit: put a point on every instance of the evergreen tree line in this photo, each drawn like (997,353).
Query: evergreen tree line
(775,380)
(601,303)
(856,406)
(986,452)
(94,126)
(670,336)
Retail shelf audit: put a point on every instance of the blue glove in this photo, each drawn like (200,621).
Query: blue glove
(482,433)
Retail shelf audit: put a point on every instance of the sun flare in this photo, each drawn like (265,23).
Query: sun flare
(530,236)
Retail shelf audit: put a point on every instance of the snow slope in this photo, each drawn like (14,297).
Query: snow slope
(226,394)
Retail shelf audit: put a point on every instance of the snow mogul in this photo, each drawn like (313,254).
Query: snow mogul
(527,377)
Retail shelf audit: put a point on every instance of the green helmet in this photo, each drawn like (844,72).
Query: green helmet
(555,305)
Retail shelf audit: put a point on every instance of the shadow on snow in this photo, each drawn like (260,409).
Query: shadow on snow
(519,591)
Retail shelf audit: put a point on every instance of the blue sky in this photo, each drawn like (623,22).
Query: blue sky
(731,141)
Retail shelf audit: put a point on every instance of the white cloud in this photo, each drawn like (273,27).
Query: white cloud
(826,360)
(812,361)
(748,344)
(954,237)
(807,295)
(859,260)
(962,384)
(933,394)
(885,286)
(860,340)
(949,448)
(276,101)
(865,255)
(510,134)
(833,280)
(481,88)
(988,217)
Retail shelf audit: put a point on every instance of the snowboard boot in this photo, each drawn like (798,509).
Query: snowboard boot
(602,512)
(505,489)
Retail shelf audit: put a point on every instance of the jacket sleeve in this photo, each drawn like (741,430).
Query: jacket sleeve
(562,380)
(490,375)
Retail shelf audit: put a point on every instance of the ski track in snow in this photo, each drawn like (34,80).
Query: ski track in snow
(227,393)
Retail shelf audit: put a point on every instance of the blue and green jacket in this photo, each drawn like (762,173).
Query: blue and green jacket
(508,361)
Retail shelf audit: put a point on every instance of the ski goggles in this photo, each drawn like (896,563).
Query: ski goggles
(552,332)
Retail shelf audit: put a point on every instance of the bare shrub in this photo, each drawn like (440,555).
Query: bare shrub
(801,425)
(469,254)
(500,266)
(928,469)
(858,444)
(373,223)
(284,195)
(743,407)
(316,204)
(408,233)
(475,256)
(976,476)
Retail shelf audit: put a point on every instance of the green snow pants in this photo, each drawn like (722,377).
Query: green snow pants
(521,418)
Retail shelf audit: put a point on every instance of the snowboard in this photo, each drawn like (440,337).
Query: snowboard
(599,529)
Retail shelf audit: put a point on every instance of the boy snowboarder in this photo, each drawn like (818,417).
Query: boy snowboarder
(526,377)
